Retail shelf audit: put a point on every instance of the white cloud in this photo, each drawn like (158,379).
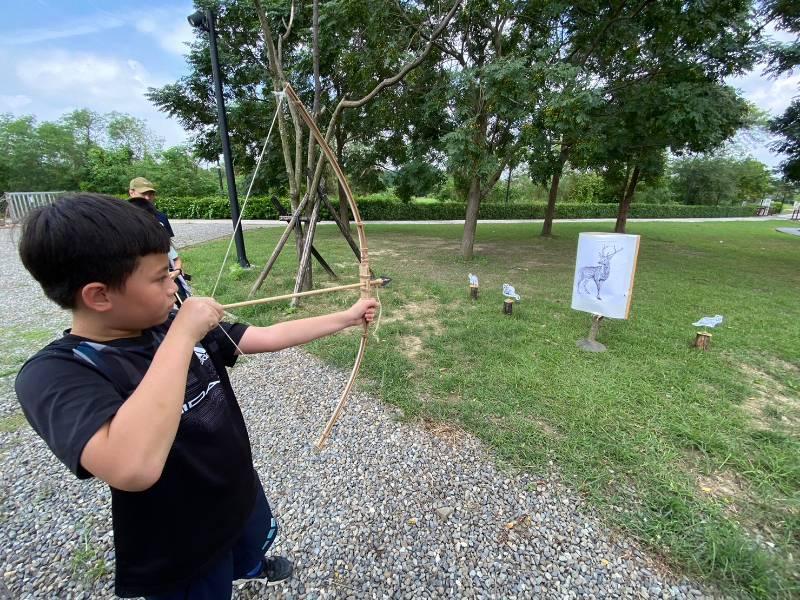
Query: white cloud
(169,27)
(772,95)
(57,81)
(172,39)
(14,103)
(102,21)
(64,74)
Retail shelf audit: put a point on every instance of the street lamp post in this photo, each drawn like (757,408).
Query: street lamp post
(205,20)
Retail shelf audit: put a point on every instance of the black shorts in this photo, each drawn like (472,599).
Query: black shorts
(243,558)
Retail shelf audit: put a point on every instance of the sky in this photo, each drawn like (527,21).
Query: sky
(58,56)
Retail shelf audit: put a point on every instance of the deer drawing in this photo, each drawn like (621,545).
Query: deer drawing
(598,273)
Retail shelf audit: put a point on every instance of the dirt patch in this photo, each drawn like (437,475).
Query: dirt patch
(723,485)
(412,244)
(727,488)
(546,428)
(411,346)
(421,314)
(782,365)
(773,404)
(385,252)
(739,502)
(454,436)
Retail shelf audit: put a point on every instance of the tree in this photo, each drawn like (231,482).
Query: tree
(753,180)
(719,180)
(689,116)
(788,127)
(342,69)
(109,171)
(360,43)
(19,154)
(786,191)
(784,58)
(497,59)
(87,151)
(125,131)
(305,166)
(416,178)
(36,157)
(658,66)
(178,173)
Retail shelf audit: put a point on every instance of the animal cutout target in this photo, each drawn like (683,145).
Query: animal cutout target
(604,271)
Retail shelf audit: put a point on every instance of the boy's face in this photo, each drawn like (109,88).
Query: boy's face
(147,297)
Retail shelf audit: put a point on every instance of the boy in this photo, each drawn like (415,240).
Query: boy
(138,396)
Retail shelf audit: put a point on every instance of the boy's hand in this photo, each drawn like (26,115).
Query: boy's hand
(198,316)
(363,310)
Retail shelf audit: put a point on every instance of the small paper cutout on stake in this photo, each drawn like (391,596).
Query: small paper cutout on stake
(510,292)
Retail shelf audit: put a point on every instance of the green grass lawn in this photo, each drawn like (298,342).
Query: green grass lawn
(695,453)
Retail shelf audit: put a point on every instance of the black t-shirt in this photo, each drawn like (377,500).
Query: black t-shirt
(166,535)
(162,218)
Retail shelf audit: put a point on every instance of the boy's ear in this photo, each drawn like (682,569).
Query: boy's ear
(95,296)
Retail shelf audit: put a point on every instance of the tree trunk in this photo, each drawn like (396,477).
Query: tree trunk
(624,205)
(471,219)
(295,171)
(508,183)
(550,213)
(303,280)
(344,209)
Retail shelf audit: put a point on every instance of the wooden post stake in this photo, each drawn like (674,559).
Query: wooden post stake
(508,306)
(702,340)
(590,344)
(473,292)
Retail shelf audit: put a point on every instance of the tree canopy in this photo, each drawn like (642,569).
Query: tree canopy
(85,150)
(784,58)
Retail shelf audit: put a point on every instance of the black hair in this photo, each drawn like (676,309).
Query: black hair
(84,238)
(144,204)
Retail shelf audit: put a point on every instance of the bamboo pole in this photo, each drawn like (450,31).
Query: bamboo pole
(351,286)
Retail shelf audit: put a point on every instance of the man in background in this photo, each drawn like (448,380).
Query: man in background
(143,188)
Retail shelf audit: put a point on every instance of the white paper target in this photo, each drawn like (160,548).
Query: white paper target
(604,271)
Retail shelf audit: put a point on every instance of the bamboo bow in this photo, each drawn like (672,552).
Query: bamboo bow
(365,283)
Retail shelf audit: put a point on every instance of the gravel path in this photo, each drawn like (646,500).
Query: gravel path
(387,510)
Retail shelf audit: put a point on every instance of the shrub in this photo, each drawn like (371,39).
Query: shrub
(586,188)
(385,207)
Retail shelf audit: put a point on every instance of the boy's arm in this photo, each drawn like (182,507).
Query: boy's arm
(293,333)
(129,451)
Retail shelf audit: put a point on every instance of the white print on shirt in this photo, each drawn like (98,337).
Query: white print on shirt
(201,354)
(187,406)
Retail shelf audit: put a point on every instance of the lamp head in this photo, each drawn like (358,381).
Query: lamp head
(198,19)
